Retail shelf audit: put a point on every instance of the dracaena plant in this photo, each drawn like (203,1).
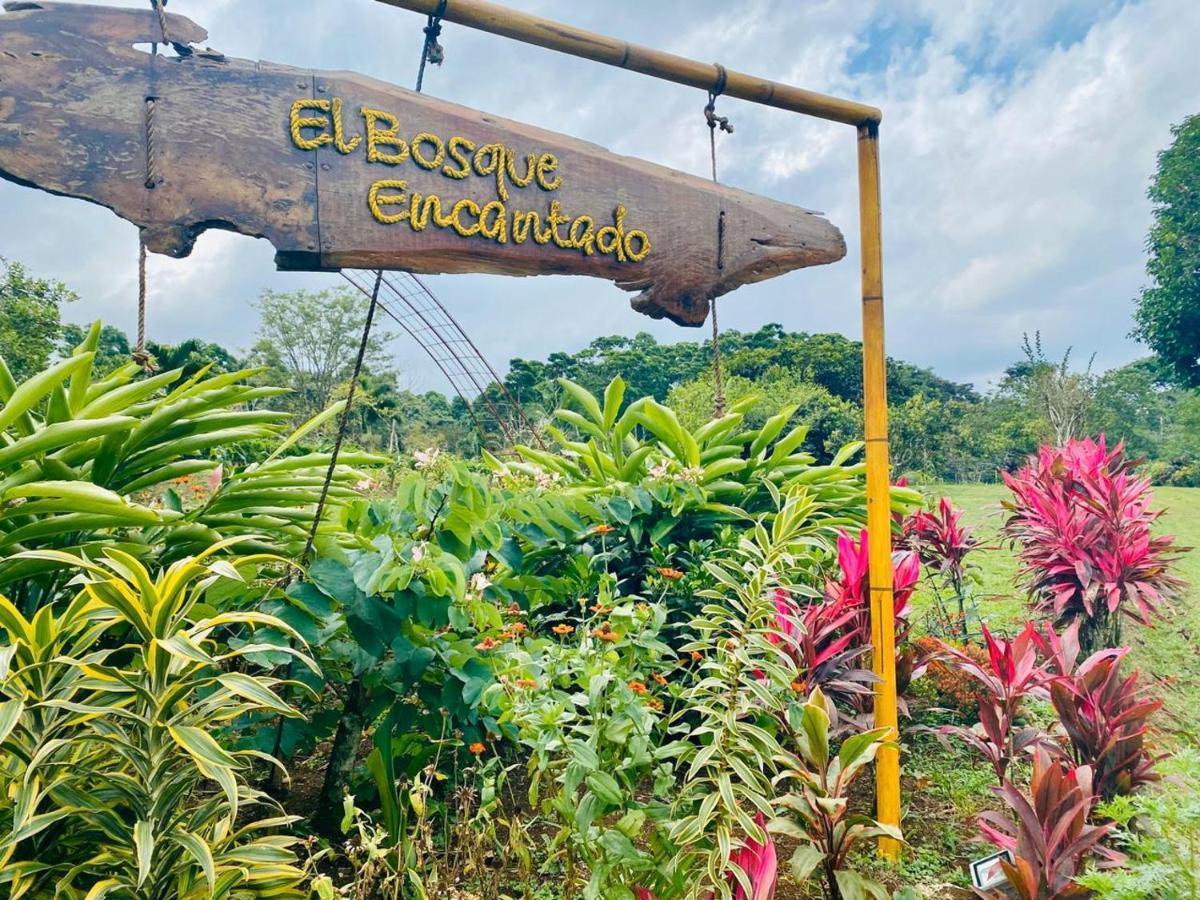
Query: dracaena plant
(943,544)
(819,816)
(730,715)
(1012,673)
(1050,839)
(1081,517)
(850,586)
(112,783)
(1103,713)
(82,455)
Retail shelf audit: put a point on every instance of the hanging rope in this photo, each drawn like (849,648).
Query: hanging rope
(344,420)
(714,122)
(432,52)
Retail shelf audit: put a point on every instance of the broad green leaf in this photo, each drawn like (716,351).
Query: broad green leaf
(201,747)
(143,842)
(29,392)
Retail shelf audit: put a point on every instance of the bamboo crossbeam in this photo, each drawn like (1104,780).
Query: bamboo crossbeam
(600,48)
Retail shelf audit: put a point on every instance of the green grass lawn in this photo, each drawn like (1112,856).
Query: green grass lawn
(1167,652)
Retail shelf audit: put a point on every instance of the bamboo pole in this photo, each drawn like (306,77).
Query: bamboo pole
(552,35)
(580,42)
(879,516)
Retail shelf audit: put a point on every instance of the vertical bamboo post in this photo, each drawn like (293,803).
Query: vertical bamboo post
(879,519)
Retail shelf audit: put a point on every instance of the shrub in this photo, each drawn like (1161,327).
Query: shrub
(819,803)
(1083,522)
(943,545)
(1159,830)
(112,783)
(77,449)
(955,689)
(1103,714)
(1012,673)
(1051,839)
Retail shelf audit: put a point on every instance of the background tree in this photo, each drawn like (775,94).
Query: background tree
(1168,311)
(309,339)
(30,321)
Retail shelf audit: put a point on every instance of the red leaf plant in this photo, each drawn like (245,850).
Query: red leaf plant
(1051,840)
(1082,520)
(851,587)
(943,543)
(759,863)
(1103,714)
(1012,673)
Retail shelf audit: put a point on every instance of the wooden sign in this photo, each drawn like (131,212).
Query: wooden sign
(338,170)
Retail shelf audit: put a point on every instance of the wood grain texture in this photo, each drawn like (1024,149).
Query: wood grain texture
(85,114)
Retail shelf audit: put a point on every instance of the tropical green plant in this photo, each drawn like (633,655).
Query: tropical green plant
(88,463)
(821,819)
(1159,831)
(112,783)
(589,703)
(394,607)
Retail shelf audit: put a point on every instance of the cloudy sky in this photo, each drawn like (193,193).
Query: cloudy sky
(1018,140)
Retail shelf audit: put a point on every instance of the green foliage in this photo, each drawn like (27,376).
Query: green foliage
(821,819)
(1159,831)
(588,709)
(1168,311)
(88,462)
(30,311)
(111,781)
(308,341)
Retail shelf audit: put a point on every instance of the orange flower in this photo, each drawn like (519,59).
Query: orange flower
(487,644)
(600,609)
(526,683)
(562,629)
(697,656)
(669,573)
(506,635)
(514,609)
(604,529)
(654,703)
(518,628)
(477,748)
(638,688)
(659,678)
(605,633)
(798,687)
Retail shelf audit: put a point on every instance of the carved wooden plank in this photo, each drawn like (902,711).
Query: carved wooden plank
(336,169)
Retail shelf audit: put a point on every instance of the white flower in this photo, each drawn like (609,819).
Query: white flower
(659,471)
(479,582)
(418,552)
(362,485)
(426,458)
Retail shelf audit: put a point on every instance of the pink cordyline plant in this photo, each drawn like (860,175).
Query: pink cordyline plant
(1013,672)
(1083,522)
(760,863)
(852,587)
(942,542)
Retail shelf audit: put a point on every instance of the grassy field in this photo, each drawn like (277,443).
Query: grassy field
(1166,653)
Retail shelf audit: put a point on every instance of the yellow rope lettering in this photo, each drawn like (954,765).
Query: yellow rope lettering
(464,230)
(545,165)
(300,122)
(376,203)
(457,145)
(583,235)
(611,239)
(640,254)
(494,156)
(339,136)
(419,212)
(383,137)
(439,155)
(555,219)
(498,230)
(510,167)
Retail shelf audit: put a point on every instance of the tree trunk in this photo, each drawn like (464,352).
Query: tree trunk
(328,815)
